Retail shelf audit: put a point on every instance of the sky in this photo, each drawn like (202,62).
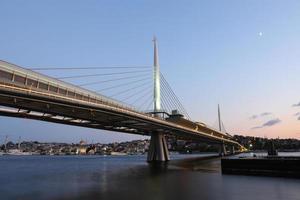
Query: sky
(243,55)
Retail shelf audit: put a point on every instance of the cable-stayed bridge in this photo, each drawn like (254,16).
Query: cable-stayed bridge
(132,99)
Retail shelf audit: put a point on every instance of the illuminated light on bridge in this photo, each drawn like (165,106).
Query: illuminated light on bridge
(28,94)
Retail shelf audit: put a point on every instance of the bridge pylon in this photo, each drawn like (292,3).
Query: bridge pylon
(156,78)
(222,150)
(158,150)
(232,150)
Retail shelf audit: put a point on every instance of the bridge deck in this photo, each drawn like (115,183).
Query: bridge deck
(39,97)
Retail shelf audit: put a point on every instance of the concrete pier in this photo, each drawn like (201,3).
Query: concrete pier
(158,150)
(222,150)
(232,150)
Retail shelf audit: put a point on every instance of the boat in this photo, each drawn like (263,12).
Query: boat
(118,153)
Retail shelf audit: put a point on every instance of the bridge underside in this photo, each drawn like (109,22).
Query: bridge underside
(75,115)
(57,111)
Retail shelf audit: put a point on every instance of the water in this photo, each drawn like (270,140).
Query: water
(130,177)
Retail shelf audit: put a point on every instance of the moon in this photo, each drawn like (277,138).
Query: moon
(260,34)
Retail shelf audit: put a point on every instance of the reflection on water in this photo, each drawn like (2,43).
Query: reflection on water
(130,177)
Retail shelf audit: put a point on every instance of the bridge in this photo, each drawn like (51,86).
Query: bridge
(26,93)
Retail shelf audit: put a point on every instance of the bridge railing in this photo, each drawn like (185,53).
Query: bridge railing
(29,81)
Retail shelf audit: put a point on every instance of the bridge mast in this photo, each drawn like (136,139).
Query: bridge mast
(158,150)
(219,118)
(157,104)
(222,151)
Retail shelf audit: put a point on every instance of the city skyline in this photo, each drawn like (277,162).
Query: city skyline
(241,56)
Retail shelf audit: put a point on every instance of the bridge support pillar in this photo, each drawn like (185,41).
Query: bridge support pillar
(222,151)
(232,150)
(158,150)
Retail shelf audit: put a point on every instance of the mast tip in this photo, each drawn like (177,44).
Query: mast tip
(154,38)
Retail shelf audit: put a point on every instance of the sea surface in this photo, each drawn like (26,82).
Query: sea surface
(186,177)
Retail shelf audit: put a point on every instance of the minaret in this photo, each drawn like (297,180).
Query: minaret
(219,118)
(157,105)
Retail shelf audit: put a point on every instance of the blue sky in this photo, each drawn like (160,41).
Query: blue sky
(243,55)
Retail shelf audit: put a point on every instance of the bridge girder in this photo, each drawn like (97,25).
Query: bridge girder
(101,117)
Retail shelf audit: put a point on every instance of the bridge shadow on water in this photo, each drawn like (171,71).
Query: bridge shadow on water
(205,164)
